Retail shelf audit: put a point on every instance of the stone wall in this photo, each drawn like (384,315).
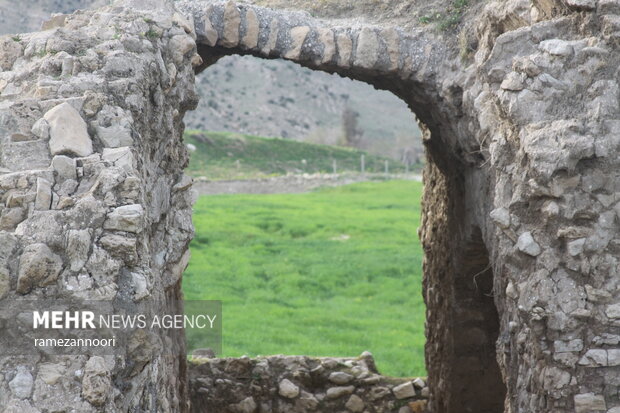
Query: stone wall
(93,201)
(521,205)
(300,384)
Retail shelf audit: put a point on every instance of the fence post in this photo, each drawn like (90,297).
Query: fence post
(363,163)
(335,166)
(387,167)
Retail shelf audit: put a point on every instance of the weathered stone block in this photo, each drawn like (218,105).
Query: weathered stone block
(11,217)
(337,392)
(589,403)
(51,373)
(340,377)
(121,157)
(252,29)
(345,48)
(5,281)
(22,383)
(367,51)
(96,382)
(65,167)
(210,33)
(298,37)
(21,156)
(38,267)
(288,389)
(527,245)
(326,37)
(613,311)
(232,22)
(355,404)
(43,200)
(581,4)
(113,125)
(78,246)
(126,218)
(404,391)
(68,134)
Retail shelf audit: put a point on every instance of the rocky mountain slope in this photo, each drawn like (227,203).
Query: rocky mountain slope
(279,98)
(271,98)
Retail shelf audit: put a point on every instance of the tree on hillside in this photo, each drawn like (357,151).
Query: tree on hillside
(352,135)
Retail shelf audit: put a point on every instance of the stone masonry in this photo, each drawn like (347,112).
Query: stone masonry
(521,205)
(301,384)
(93,201)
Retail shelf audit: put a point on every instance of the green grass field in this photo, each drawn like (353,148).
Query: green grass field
(327,273)
(224,155)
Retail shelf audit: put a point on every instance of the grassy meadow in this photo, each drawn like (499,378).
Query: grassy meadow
(327,273)
(225,155)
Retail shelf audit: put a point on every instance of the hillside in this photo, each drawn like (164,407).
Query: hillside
(280,98)
(223,155)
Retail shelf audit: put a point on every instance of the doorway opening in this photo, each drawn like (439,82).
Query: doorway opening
(477,393)
(332,272)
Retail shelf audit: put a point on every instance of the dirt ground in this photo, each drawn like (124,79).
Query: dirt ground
(289,183)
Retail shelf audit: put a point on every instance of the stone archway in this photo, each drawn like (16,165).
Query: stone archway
(400,62)
(522,143)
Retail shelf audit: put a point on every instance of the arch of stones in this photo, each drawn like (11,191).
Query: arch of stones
(521,205)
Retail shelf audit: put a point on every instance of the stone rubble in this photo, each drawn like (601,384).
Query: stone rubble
(300,384)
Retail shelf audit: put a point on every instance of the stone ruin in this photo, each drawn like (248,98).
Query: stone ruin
(521,204)
(301,384)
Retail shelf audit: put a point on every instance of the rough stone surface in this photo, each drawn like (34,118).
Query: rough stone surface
(288,389)
(38,267)
(521,114)
(90,142)
(232,20)
(298,37)
(96,381)
(65,167)
(404,391)
(252,30)
(355,404)
(340,377)
(126,218)
(113,127)
(22,383)
(527,244)
(582,4)
(589,403)
(68,134)
(43,200)
(294,384)
(367,51)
